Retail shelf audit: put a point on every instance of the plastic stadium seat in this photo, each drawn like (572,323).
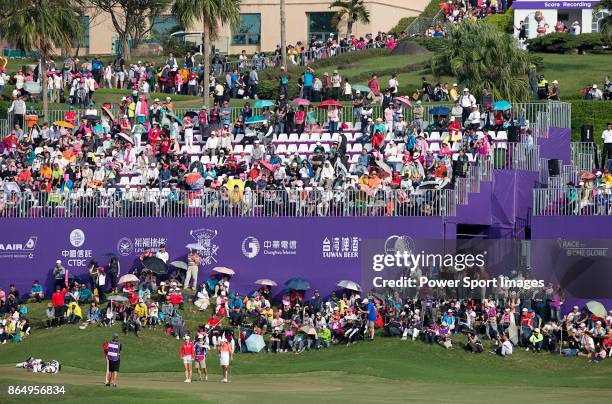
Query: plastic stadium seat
(502,135)
(304,137)
(457,146)
(214,160)
(471,157)
(238,138)
(184,149)
(136,180)
(492,134)
(303,148)
(434,136)
(194,158)
(294,137)
(455,156)
(281,149)
(292,148)
(248,149)
(238,148)
(350,137)
(336,137)
(354,158)
(326,137)
(315,137)
(357,147)
(282,138)
(124,181)
(205,159)
(434,147)
(195,149)
(501,145)
(39,150)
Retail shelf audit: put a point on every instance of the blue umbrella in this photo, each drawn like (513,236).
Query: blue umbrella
(501,105)
(439,111)
(297,284)
(255,343)
(255,119)
(263,103)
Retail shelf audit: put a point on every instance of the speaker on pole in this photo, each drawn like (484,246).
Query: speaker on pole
(586,133)
(554,167)
(513,134)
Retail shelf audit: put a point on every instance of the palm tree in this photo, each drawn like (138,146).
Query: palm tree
(42,26)
(482,57)
(351,10)
(283,33)
(210,12)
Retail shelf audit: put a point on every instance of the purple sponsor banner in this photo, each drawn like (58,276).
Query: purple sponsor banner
(547,5)
(320,250)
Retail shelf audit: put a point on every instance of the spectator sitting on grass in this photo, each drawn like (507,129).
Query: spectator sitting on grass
(36,292)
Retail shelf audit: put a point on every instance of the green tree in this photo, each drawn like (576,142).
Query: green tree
(352,11)
(481,56)
(42,26)
(606,28)
(210,13)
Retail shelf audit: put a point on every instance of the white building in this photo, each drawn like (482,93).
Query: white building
(568,11)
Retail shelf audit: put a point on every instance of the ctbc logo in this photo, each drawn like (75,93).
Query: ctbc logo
(250,247)
(77,238)
(125,247)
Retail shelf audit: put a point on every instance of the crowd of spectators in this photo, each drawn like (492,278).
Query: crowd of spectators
(531,319)
(229,158)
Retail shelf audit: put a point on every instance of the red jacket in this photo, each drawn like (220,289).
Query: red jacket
(187,349)
(57,298)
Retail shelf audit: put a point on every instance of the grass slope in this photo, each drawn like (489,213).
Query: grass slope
(386,370)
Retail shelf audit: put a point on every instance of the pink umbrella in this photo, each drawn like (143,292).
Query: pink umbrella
(192,178)
(405,101)
(300,101)
(224,270)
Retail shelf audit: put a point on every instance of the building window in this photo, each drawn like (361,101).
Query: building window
(248,31)
(320,25)
(165,25)
(598,20)
(85,24)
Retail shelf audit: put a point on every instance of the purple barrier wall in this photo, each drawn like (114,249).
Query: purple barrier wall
(321,250)
(585,267)
(557,145)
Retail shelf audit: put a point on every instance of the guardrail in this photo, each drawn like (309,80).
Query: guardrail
(517,156)
(572,201)
(585,155)
(123,202)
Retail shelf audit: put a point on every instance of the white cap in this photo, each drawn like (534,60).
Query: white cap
(466,89)
(364,301)
(555,82)
(594,85)
(58,261)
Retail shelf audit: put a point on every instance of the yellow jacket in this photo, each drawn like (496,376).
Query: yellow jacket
(73,307)
(142,310)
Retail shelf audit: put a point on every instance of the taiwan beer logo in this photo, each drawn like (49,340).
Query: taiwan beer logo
(340,247)
(207,248)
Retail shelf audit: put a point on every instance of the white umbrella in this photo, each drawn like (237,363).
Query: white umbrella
(129,278)
(350,285)
(118,298)
(179,264)
(266,282)
(224,270)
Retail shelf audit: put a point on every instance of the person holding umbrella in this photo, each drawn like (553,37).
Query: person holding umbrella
(187,354)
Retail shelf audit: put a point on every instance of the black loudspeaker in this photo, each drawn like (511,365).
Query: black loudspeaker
(554,167)
(513,134)
(586,133)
